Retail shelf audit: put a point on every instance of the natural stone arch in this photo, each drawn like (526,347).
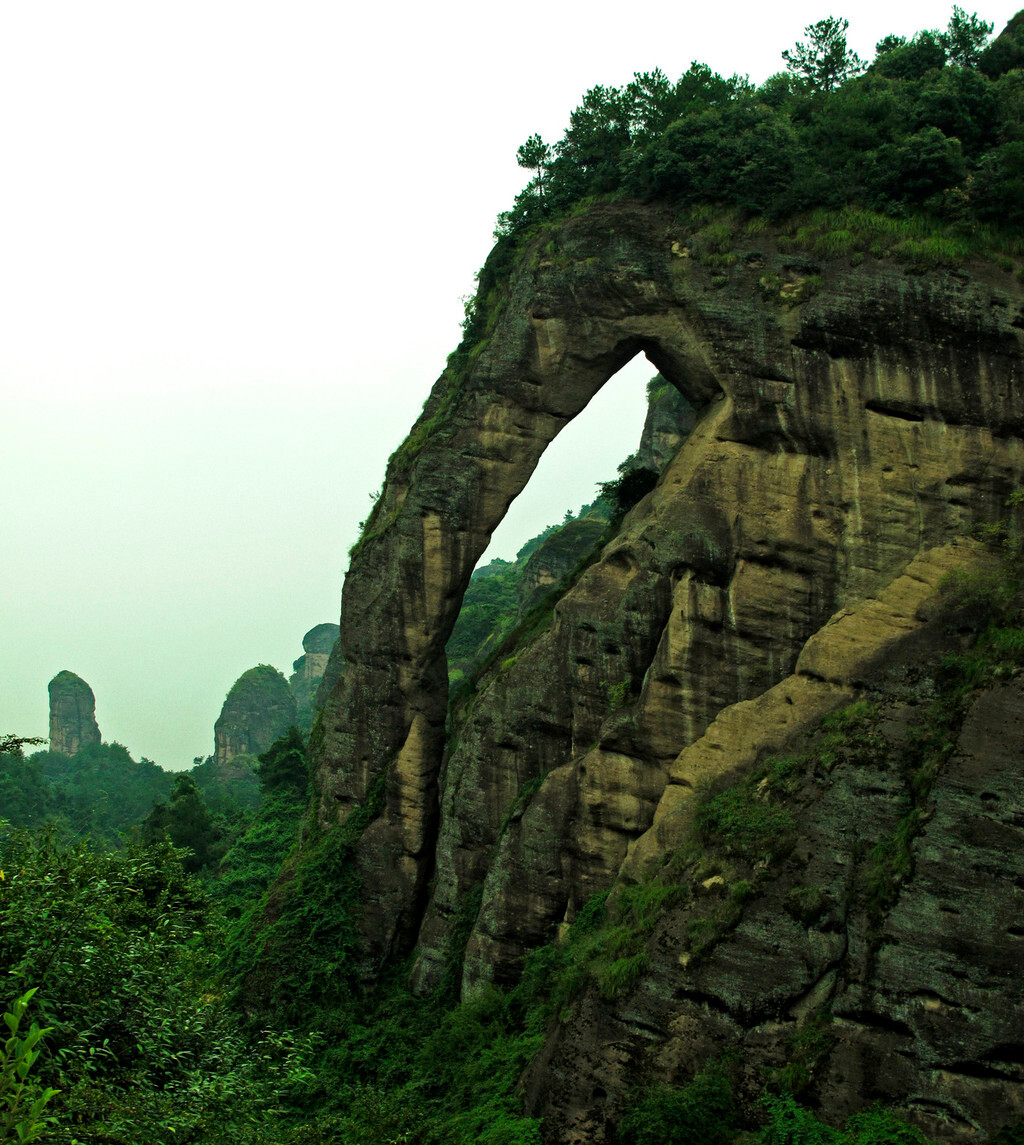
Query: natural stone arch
(826,384)
(471,452)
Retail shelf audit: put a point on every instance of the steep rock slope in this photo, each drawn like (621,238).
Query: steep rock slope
(866,947)
(259,708)
(849,418)
(72,714)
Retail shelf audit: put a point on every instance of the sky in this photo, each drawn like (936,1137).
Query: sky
(235,238)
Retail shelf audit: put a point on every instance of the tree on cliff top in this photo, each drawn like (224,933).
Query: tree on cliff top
(824,61)
(534,155)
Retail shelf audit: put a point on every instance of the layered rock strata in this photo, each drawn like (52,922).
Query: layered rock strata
(72,714)
(919,1004)
(849,418)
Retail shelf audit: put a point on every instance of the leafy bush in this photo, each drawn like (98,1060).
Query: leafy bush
(21,1101)
(703,1112)
(744,824)
(791,1124)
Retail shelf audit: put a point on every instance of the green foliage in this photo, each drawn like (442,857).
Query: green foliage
(965,38)
(22,1101)
(743,822)
(824,61)
(489,609)
(100,791)
(186,822)
(232,794)
(534,155)
(703,1112)
(26,799)
(791,1124)
(630,487)
(929,133)
(806,1047)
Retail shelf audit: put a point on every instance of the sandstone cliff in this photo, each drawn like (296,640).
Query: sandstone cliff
(308,671)
(670,418)
(257,710)
(852,421)
(72,714)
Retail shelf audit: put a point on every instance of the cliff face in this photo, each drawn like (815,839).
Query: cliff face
(867,966)
(72,714)
(851,422)
(257,710)
(670,418)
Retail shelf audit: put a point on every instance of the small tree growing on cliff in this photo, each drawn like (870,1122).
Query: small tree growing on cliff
(824,61)
(534,155)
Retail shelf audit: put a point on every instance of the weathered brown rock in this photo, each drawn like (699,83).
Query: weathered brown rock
(923,1010)
(258,709)
(670,419)
(72,714)
(308,671)
(557,557)
(840,435)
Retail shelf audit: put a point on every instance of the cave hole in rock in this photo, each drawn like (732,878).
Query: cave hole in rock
(563,490)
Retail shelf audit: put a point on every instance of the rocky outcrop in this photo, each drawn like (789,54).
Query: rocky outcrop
(72,714)
(871,964)
(850,417)
(308,671)
(557,557)
(258,710)
(851,421)
(670,418)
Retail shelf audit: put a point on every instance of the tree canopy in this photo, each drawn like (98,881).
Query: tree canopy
(824,61)
(933,124)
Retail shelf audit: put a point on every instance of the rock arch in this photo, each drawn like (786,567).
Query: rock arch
(828,381)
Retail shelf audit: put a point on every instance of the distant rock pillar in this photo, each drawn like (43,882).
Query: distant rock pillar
(309,670)
(72,714)
(258,710)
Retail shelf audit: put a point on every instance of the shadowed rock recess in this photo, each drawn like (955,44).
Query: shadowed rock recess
(851,423)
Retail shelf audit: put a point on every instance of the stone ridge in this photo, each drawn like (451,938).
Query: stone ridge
(72,714)
(849,418)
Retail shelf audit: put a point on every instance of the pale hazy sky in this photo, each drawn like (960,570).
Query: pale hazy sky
(234,239)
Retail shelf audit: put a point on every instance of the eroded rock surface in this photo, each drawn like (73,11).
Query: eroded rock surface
(258,709)
(840,433)
(916,1001)
(72,714)
(308,671)
(670,418)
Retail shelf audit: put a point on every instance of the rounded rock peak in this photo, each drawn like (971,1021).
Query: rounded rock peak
(321,638)
(65,681)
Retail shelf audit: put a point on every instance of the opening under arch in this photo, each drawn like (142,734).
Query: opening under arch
(554,522)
